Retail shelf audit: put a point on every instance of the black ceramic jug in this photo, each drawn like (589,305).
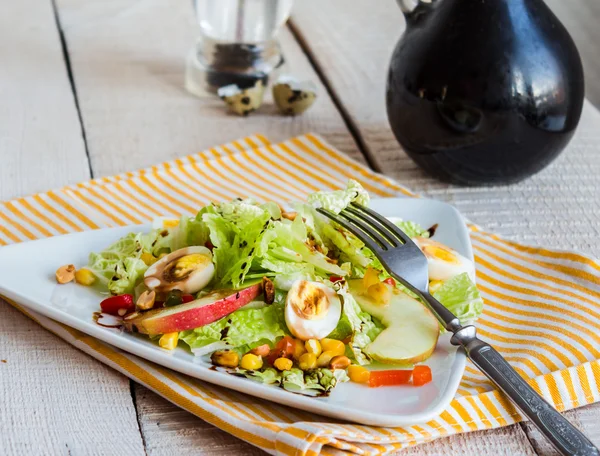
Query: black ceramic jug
(483,91)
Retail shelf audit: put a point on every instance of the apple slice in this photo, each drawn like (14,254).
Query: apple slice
(194,314)
(411,331)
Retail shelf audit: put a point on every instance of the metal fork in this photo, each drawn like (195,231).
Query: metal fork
(404,261)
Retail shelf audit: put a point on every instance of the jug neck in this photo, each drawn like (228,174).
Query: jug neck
(414,8)
(408,6)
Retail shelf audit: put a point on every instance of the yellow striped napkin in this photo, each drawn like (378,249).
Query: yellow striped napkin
(542,306)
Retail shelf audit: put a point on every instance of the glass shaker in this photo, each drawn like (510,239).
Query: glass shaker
(237,43)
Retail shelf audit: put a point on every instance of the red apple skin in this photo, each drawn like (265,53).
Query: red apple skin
(193,314)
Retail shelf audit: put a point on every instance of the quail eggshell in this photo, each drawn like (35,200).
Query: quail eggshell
(293,97)
(242,101)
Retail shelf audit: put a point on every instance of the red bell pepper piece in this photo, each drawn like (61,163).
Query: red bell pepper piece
(283,349)
(421,375)
(187,298)
(389,377)
(118,305)
(390,281)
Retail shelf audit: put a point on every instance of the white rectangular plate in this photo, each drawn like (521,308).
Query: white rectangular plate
(28,278)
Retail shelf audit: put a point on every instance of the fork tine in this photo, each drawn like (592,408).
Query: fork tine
(393,229)
(382,231)
(370,243)
(367,229)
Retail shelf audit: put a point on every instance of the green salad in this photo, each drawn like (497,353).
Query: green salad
(281,297)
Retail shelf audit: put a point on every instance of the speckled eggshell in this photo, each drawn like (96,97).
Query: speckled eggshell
(291,99)
(242,101)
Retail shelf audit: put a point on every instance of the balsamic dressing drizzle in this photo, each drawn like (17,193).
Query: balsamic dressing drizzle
(432,229)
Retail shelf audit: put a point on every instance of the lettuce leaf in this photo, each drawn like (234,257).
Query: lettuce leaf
(314,382)
(364,327)
(342,330)
(119,266)
(460,295)
(412,229)
(293,238)
(337,200)
(189,231)
(351,249)
(311,383)
(284,282)
(237,231)
(268,376)
(242,330)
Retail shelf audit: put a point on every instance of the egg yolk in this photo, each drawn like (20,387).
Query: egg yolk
(170,223)
(433,251)
(184,266)
(311,303)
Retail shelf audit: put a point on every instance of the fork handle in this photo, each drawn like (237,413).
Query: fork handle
(565,437)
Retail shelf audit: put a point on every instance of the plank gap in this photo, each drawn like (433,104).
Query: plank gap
(137,414)
(346,117)
(67,59)
(530,438)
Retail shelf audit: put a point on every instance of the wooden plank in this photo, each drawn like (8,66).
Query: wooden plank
(39,149)
(128,64)
(585,419)
(169,430)
(508,441)
(54,399)
(558,207)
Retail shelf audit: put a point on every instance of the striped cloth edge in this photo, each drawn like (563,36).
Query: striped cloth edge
(535,298)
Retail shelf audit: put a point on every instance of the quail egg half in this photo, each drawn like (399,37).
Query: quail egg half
(442,261)
(293,97)
(243,101)
(312,310)
(189,270)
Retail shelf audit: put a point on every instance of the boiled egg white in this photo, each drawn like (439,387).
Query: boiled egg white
(444,262)
(189,270)
(312,310)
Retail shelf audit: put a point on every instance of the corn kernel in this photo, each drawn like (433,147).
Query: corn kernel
(313,346)
(380,293)
(169,341)
(435,285)
(148,258)
(85,277)
(333,345)
(339,362)
(307,361)
(371,277)
(283,364)
(325,358)
(358,374)
(251,362)
(225,358)
(299,349)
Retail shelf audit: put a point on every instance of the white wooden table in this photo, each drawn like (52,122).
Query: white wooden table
(95,88)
